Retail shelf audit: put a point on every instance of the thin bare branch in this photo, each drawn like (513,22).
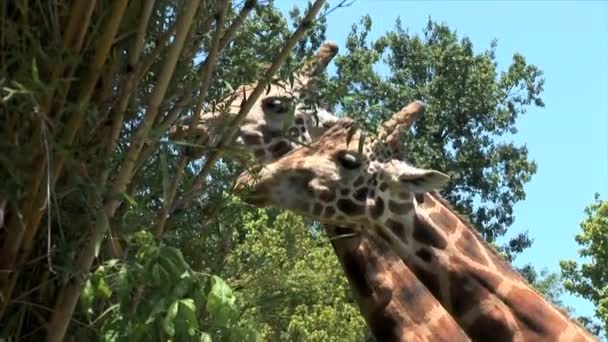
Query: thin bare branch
(206,71)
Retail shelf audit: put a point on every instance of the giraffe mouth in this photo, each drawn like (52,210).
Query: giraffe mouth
(255,200)
(251,190)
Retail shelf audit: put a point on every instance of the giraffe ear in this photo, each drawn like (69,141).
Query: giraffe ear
(421,180)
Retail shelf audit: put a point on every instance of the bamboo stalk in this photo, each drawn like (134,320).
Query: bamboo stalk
(125,172)
(206,72)
(77,118)
(78,21)
(237,23)
(69,294)
(88,86)
(130,82)
(127,90)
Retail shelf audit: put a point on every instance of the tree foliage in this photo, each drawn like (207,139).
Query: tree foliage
(96,204)
(288,274)
(89,90)
(589,278)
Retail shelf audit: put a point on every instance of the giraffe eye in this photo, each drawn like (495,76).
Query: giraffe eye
(349,161)
(275,105)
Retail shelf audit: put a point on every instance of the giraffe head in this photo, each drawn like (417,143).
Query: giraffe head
(277,121)
(339,179)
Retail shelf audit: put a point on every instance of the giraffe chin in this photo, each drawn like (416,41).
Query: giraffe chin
(251,191)
(256,201)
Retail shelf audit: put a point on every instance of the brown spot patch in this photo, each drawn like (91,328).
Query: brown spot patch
(327,196)
(345,192)
(384,326)
(329,212)
(468,246)
(397,227)
(280,148)
(400,208)
(354,268)
(430,280)
(350,208)
(378,208)
(419,198)
(413,295)
(303,206)
(252,138)
(444,220)
(425,255)
(491,327)
(317,210)
(465,291)
(383,186)
(361,194)
(404,195)
(426,234)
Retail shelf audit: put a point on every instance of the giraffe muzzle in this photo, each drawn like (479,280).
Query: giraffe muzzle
(252,190)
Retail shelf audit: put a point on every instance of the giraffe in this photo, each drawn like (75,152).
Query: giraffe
(278,122)
(395,304)
(339,181)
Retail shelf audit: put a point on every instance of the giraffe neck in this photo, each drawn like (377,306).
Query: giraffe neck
(482,292)
(399,306)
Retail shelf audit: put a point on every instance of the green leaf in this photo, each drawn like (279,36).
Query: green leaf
(103,290)
(132,202)
(220,301)
(156,274)
(159,307)
(183,287)
(123,286)
(205,337)
(187,314)
(348,100)
(169,321)
(87,296)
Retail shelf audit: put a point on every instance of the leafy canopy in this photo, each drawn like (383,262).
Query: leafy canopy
(589,278)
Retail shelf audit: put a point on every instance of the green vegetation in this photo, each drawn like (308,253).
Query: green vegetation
(109,232)
(589,279)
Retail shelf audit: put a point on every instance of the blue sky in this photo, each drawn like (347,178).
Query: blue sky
(568,138)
